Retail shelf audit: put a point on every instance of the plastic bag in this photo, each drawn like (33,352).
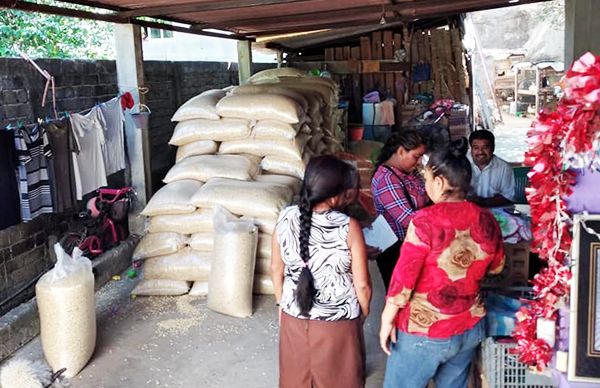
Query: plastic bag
(159,244)
(256,199)
(232,271)
(218,130)
(196,222)
(161,287)
(204,167)
(187,264)
(203,106)
(67,308)
(266,225)
(200,147)
(173,198)
(260,107)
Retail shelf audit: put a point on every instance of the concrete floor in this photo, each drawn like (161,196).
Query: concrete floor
(179,342)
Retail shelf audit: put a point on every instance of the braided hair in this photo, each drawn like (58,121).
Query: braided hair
(453,165)
(325,177)
(409,140)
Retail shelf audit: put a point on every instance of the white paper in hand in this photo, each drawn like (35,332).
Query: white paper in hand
(380,234)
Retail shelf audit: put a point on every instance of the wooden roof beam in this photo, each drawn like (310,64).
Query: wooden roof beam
(321,26)
(200,7)
(110,18)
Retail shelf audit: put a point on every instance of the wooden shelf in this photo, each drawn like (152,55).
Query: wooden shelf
(355,66)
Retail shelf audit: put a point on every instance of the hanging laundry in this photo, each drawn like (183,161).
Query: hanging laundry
(33,149)
(90,172)
(9,195)
(62,174)
(114,147)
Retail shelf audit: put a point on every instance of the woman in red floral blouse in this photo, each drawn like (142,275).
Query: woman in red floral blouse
(432,321)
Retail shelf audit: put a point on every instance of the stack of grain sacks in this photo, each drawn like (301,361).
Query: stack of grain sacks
(274,124)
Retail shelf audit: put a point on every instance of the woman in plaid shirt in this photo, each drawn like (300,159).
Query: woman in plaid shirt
(398,191)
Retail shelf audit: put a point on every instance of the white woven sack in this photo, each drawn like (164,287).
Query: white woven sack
(159,244)
(232,271)
(264,246)
(264,224)
(274,74)
(161,287)
(315,140)
(204,167)
(218,130)
(257,199)
(67,309)
(202,242)
(328,96)
(196,222)
(173,198)
(260,107)
(276,165)
(274,130)
(292,182)
(284,149)
(263,285)
(263,266)
(273,89)
(200,147)
(187,264)
(203,106)
(199,289)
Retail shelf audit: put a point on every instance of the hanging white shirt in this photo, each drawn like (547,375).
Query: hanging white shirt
(89,134)
(114,147)
(495,178)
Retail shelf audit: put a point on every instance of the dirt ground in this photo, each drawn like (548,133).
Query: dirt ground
(179,342)
(511,137)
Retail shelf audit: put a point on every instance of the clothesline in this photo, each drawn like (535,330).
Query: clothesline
(20,124)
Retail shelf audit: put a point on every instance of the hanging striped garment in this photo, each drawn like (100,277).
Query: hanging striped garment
(33,149)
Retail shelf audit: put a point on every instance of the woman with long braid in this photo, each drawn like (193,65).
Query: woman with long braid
(321,281)
(398,191)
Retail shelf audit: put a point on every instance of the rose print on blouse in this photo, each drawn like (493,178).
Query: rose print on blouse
(423,314)
(460,255)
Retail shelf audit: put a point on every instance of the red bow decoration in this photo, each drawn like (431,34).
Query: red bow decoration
(558,140)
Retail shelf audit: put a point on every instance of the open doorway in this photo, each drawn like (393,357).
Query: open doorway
(518,60)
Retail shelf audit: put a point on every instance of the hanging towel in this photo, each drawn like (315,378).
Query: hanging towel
(114,147)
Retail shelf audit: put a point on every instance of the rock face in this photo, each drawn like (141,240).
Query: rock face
(538,28)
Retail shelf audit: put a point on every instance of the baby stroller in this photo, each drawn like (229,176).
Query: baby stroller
(429,125)
(104,222)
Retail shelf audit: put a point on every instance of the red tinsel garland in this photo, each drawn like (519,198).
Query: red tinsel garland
(568,137)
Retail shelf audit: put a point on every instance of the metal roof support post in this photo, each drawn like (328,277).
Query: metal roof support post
(244,60)
(130,77)
(582,30)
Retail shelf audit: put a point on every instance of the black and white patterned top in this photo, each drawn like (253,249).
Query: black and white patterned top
(330,263)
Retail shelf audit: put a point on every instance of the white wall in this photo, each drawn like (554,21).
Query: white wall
(188,47)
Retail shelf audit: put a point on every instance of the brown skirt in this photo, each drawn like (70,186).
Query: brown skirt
(321,354)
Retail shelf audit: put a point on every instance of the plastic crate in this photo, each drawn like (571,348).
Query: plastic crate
(502,369)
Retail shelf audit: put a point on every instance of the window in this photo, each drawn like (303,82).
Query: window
(157,33)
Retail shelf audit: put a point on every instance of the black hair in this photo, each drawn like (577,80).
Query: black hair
(482,134)
(453,165)
(409,140)
(325,177)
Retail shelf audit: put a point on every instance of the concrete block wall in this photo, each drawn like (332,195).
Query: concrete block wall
(24,252)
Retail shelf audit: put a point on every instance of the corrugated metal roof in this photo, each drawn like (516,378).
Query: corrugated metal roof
(252,19)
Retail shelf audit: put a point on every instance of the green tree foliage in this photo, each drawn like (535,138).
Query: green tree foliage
(50,36)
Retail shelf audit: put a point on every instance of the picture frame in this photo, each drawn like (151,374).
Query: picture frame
(584,320)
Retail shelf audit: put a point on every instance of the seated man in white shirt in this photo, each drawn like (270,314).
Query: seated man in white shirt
(493,180)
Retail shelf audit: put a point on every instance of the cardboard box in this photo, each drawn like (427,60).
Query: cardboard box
(516,267)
